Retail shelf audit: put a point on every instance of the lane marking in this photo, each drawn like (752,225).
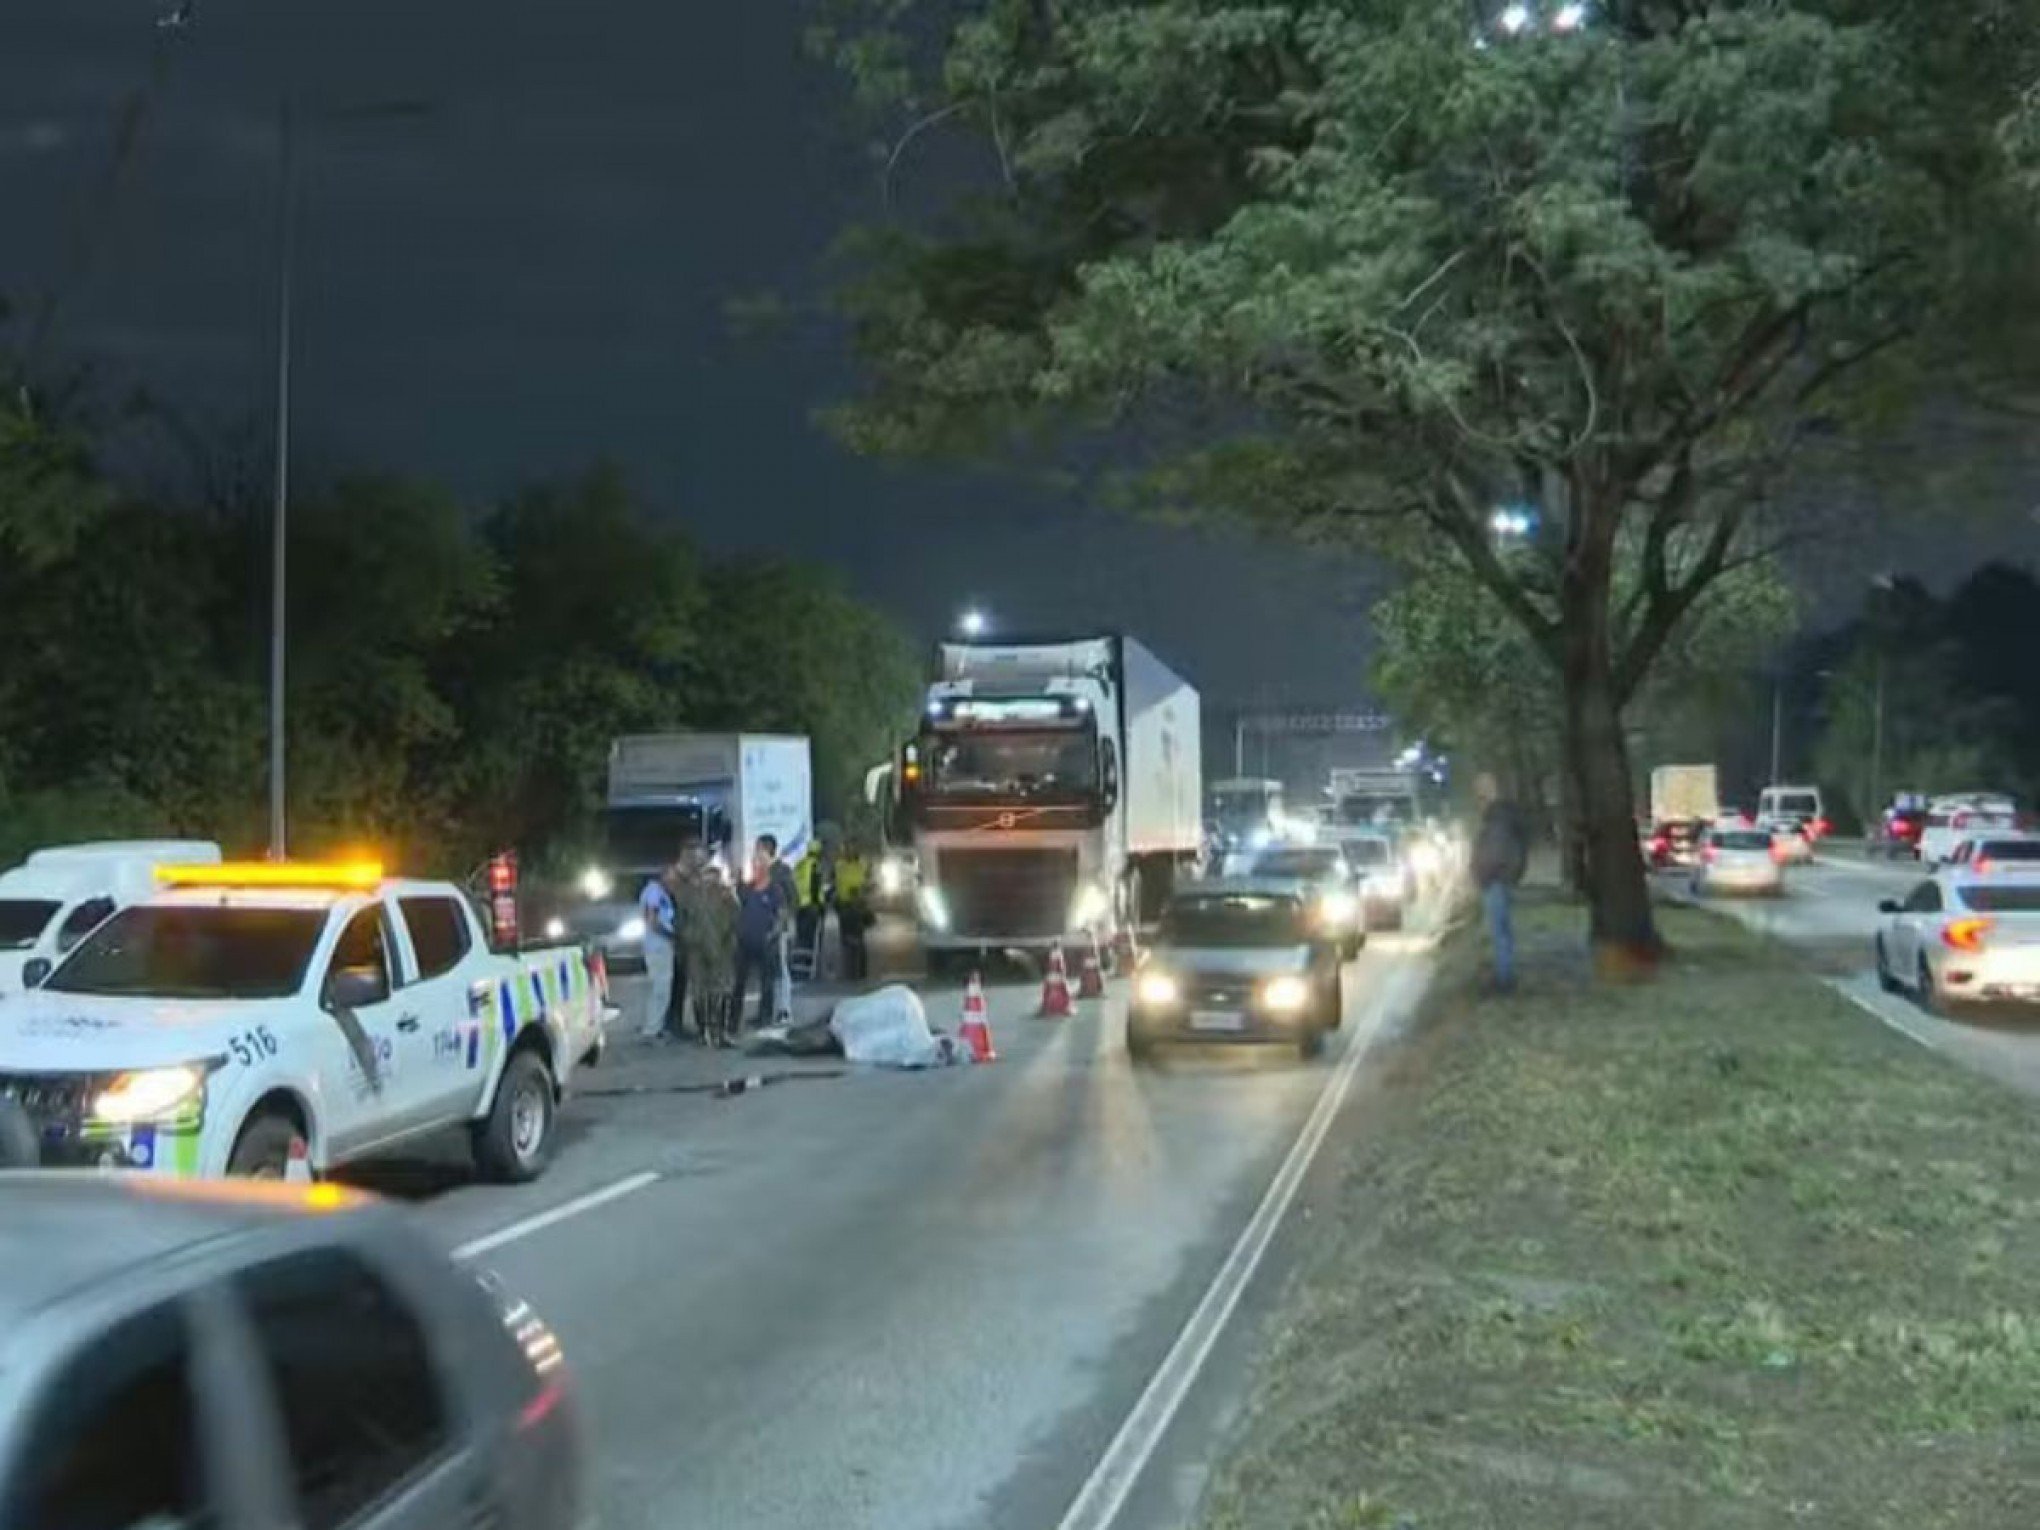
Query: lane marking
(628,1185)
(1871,1007)
(1112,1481)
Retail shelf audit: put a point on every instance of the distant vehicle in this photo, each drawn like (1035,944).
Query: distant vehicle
(1794,807)
(247,1011)
(1952,819)
(1738,860)
(1055,789)
(1961,938)
(1388,883)
(1243,813)
(716,790)
(1793,843)
(234,1356)
(1898,831)
(1997,853)
(1237,961)
(60,895)
(1323,874)
(1676,842)
(1689,794)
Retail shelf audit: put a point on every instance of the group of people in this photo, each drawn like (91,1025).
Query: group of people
(709,941)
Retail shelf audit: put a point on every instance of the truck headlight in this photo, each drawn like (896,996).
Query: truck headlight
(1338,909)
(556,929)
(631,930)
(892,877)
(148,1094)
(1424,859)
(935,907)
(1091,906)
(1285,995)
(596,884)
(1157,990)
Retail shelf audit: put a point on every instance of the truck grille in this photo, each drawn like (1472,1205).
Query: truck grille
(1009,894)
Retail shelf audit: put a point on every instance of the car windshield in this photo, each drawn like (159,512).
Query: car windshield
(1308,862)
(22,920)
(1369,852)
(189,951)
(1236,921)
(1799,804)
(1375,807)
(1006,762)
(1741,840)
(2017,898)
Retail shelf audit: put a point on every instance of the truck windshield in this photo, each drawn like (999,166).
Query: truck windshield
(1236,922)
(22,920)
(1008,762)
(645,838)
(1375,807)
(1239,812)
(185,951)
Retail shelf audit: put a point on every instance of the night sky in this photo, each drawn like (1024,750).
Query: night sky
(534,276)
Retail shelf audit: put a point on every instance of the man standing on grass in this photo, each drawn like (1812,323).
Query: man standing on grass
(1501,852)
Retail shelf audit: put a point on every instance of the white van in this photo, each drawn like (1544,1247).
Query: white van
(1793,807)
(58,896)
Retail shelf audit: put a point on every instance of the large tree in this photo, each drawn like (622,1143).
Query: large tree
(1365,270)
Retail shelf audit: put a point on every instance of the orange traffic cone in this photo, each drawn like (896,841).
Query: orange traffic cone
(976,1030)
(1055,987)
(297,1164)
(1091,981)
(598,973)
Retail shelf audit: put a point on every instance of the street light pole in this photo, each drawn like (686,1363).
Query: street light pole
(286,252)
(1877,742)
(1777,724)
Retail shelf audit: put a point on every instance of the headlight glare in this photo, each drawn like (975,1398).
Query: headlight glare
(596,884)
(934,908)
(632,929)
(892,876)
(1338,909)
(1090,907)
(148,1094)
(1158,989)
(1286,995)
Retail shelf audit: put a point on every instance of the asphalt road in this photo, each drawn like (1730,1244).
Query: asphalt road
(1830,910)
(900,1300)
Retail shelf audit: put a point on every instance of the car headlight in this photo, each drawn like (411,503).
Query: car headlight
(596,884)
(632,929)
(1383,885)
(1338,908)
(556,929)
(1423,859)
(1090,907)
(148,1094)
(892,876)
(1157,989)
(1285,995)
(935,907)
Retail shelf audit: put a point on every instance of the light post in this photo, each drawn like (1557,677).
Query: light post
(972,623)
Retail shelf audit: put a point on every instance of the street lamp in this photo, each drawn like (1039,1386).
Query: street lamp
(972,623)
(1515,19)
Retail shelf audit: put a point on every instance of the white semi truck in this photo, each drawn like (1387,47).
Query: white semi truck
(1054,789)
(717,790)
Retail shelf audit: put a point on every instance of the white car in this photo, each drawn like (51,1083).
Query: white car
(1951,820)
(1960,938)
(60,895)
(1738,860)
(1997,853)
(1388,885)
(248,1015)
(1320,873)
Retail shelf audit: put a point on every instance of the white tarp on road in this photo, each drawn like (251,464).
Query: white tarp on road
(888,1027)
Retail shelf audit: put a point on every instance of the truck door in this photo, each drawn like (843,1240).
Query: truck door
(372,1043)
(437,937)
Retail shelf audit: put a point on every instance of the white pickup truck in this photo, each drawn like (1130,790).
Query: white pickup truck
(246,1012)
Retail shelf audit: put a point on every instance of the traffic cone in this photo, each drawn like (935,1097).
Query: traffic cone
(1055,987)
(976,1030)
(297,1164)
(1091,981)
(598,972)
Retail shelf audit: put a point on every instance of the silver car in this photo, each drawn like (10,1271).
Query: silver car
(237,1355)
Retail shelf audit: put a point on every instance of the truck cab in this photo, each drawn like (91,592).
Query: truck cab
(59,895)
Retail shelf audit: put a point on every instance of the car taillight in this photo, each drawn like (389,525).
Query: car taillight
(1778,851)
(1820,828)
(1965,934)
(1982,865)
(1710,854)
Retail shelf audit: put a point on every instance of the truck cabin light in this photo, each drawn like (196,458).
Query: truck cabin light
(357,876)
(1965,934)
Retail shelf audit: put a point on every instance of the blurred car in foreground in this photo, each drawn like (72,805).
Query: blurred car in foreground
(1386,882)
(1963,938)
(1739,860)
(1237,960)
(235,1356)
(1322,874)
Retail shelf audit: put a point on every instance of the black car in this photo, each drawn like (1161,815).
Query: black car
(1238,961)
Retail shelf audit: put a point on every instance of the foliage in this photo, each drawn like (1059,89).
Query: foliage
(1346,270)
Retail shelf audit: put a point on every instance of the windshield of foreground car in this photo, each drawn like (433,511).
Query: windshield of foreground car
(22,920)
(188,951)
(1235,922)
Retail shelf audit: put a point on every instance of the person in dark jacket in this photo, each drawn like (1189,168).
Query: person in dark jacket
(764,919)
(1501,853)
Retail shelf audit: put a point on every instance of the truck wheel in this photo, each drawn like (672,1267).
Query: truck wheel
(513,1144)
(262,1151)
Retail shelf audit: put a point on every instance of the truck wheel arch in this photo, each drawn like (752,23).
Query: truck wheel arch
(278,1102)
(532,1038)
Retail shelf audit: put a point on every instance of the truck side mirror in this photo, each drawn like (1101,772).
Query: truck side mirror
(1108,775)
(354,987)
(36,970)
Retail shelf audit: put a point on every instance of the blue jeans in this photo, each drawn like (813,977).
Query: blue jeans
(1497,900)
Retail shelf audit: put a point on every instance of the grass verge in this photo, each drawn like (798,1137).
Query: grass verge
(1714,1251)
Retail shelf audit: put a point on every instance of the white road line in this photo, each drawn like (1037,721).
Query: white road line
(544,1219)
(1112,1480)
(1841,986)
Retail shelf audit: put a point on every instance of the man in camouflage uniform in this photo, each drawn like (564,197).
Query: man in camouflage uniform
(709,928)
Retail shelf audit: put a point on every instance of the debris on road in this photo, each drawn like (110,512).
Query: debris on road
(889,1028)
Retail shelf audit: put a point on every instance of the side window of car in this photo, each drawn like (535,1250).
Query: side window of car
(364,944)
(1925,899)
(83,920)
(117,1444)
(439,933)
(352,1379)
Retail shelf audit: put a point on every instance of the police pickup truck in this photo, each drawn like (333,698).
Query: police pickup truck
(247,1016)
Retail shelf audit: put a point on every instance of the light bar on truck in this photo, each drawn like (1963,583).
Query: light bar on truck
(352,875)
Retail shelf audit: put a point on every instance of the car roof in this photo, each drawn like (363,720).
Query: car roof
(1241,887)
(64,1231)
